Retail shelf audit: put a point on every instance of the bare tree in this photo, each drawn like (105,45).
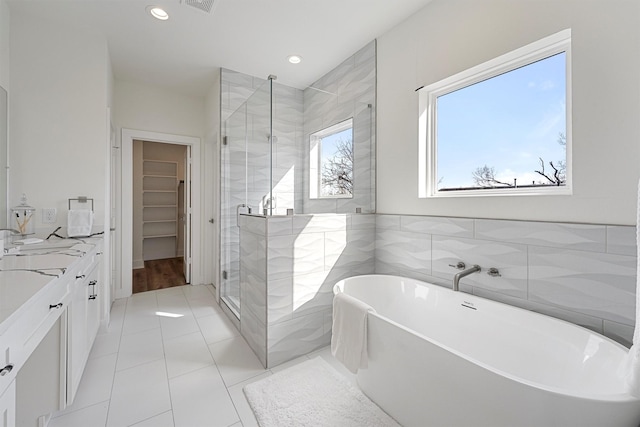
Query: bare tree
(554,178)
(485,176)
(559,175)
(337,171)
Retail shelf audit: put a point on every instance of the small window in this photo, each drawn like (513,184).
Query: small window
(331,162)
(501,128)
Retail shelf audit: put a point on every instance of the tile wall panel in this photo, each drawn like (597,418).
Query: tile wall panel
(279,300)
(582,237)
(581,273)
(621,240)
(387,222)
(349,248)
(348,91)
(405,250)
(596,284)
(319,223)
(308,253)
(459,227)
(304,257)
(293,338)
(280,226)
(280,256)
(254,332)
(509,259)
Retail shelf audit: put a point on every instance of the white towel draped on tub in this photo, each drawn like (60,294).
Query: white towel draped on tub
(633,365)
(79,222)
(349,331)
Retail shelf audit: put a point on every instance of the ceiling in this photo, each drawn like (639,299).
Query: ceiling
(250,36)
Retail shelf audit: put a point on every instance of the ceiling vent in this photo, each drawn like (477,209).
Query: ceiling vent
(203,5)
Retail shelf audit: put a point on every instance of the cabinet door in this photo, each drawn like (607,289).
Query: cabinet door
(8,406)
(94,299)
(77,338)
(84,321)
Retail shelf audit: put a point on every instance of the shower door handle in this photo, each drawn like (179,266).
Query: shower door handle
(241,205)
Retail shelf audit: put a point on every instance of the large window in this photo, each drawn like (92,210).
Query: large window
(503,127)
(331,162)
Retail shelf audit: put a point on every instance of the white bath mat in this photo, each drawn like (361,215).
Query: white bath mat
(312,394)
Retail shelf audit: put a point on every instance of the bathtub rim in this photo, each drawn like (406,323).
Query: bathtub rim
(623,397)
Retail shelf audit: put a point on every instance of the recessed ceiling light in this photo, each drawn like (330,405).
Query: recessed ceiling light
(295,59)
(158,13)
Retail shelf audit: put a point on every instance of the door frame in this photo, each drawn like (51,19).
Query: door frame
(126,213)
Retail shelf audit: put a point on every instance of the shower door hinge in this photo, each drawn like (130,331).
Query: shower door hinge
(212,220)
(224,274)
(224,140)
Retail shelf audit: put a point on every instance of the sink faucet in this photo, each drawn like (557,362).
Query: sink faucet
(458,276)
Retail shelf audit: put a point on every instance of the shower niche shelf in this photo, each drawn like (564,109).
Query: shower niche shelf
(160,209)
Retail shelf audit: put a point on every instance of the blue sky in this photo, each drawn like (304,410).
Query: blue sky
(506,122)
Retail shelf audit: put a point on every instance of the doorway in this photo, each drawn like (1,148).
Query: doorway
(160,206)
(192,251)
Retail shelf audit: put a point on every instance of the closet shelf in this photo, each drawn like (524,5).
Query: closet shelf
(150,175)
(160,205)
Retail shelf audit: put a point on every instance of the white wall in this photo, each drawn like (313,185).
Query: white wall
(58,101)
(151,108)
(449,36)
(5,32)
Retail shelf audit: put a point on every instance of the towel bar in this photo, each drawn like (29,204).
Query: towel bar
(81,199)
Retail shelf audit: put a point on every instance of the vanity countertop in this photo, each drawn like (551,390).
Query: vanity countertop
(27,272)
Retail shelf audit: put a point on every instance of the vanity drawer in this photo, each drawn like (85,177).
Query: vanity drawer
(10,355)
(43,312)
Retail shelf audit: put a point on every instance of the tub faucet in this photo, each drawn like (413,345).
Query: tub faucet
(458,276)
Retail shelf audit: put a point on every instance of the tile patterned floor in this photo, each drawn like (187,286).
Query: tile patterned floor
(150,370)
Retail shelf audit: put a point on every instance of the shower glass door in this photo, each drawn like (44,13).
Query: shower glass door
(245,178)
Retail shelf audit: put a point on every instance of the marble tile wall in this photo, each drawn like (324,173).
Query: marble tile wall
(287,289)
(584,274)
(348,91)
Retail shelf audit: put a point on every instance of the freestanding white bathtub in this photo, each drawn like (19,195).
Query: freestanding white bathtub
(443,358)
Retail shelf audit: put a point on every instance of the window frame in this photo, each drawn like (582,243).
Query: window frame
(315,158)
(427,130)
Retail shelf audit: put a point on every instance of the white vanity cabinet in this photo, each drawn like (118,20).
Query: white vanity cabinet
(8,406)
(83,320)
(49,317)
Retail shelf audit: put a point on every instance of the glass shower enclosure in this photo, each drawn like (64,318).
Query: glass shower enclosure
(277,142)
(245,172)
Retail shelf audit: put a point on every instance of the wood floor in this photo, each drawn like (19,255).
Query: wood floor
(158,274)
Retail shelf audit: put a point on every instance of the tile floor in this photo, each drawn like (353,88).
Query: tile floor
(150,370)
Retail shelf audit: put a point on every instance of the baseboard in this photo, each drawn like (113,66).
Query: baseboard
(138,263)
